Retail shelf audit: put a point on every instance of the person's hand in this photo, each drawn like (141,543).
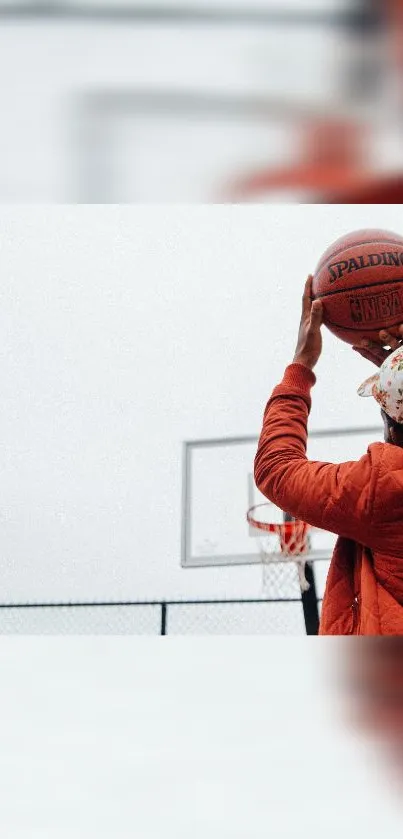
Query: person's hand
(309,344)
(377,353)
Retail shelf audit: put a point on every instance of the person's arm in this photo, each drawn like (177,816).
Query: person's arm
(335,497)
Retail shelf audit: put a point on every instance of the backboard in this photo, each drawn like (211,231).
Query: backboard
(134,145)
(183,129)
(218,489)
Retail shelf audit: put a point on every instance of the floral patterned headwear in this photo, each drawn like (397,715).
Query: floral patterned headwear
(387,385)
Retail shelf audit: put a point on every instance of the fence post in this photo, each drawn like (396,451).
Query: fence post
(310,603)
(163,618)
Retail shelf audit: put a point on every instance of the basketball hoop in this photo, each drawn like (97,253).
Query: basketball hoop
(280,542)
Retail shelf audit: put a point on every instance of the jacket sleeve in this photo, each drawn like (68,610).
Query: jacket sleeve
(334,497)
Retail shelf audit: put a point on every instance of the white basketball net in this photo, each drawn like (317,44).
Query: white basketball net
(278,568)
(283,554)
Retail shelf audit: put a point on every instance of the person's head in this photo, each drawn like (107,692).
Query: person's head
(386,387)
(393,431)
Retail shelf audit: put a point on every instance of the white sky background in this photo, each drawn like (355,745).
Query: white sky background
(122,737)
(125,331)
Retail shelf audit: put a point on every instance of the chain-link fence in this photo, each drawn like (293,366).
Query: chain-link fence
(81,619)
(209,617)
(236,618)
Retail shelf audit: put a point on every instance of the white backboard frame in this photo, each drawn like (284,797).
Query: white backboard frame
(208,532)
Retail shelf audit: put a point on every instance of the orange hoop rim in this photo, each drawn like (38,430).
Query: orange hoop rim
(286,528)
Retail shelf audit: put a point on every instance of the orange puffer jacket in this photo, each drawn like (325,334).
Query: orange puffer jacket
(361,501)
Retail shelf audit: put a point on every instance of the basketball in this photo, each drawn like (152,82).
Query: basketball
(360,281)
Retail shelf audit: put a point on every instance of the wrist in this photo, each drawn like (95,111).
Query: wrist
(306,362)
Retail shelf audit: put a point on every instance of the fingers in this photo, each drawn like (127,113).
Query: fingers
(386,338)
(316,314)
(375,354)
(307,297)
(367,344)
(308,286)
(389,340)
(373,351)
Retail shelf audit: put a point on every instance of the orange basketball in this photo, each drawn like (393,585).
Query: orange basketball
(360,281)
